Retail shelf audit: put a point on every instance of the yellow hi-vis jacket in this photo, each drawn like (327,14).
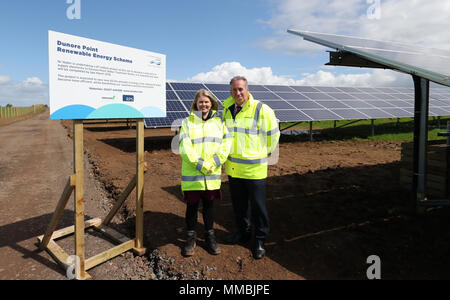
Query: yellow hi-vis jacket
(255,134)
(204,145)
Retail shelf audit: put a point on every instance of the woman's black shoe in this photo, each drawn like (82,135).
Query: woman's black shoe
(188,249)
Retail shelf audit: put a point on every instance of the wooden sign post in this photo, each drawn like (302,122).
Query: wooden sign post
(76,183)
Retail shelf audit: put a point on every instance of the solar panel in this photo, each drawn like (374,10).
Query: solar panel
(321,114)
(172,119)
(291,116)
(434,102)
(306,89)
(182,86)
(349,90)
(278,88)
(431,64)
(341,96)
(222,96)
(375,113)
(438,111)
(350,114)
(398,112)
(188,104)
(278,104)
(174,106)
(327,89)
(332,104)
(171,95)
(305,103)
(257,88)
(379,103)
(404,96)
(363,96)
(318,96)
(218,87)
(291,96)
(357,104)
(186,95)
(265,96)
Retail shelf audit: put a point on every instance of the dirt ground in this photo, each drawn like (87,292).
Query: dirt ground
(332,204)
(36,159)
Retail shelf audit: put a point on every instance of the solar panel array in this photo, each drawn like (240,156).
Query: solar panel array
(429,63)
(309,103)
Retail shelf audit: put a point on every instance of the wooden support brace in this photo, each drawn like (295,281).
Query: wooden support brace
(71,229)
(76,184)
(107,255)
(61,257)
(58,212)
(120,201)
(112,234)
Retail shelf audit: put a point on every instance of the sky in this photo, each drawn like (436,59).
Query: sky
(212,41)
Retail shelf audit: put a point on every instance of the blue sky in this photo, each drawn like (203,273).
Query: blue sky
(213,40)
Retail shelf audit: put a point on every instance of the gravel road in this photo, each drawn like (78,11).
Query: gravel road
(36,158)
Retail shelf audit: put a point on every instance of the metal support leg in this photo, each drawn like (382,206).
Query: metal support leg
(422,93)
(373,127)
(310,131)
(448,130)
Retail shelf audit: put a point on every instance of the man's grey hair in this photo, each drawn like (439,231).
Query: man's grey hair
(236,78)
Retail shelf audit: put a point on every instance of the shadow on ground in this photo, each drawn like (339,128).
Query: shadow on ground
(12,235)
(325,224)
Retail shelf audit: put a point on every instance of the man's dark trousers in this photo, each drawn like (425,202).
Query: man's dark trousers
(253,192)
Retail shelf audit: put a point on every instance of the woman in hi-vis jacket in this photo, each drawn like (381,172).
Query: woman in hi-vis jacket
(204,147)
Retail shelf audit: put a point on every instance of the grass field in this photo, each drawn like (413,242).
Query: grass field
(384,129)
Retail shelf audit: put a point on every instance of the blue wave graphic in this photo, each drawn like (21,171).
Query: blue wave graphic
(115,111)
(72,112)
(153,112)
(110,111)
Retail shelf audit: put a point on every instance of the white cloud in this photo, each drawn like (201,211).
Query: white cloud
(224,72)
(264,75)
(4,80)
(408,21)
(26,93)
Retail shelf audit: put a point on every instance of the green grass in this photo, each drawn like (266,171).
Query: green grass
(385,129)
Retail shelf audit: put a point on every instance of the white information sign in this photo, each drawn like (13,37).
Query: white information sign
(90,79)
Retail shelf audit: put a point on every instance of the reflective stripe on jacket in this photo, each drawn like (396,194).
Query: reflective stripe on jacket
(255,134)
(204,145)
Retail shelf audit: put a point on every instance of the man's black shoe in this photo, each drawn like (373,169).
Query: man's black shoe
(237,237)
(259,251)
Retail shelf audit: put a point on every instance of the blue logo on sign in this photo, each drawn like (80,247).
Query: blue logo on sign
(156,62)
(128,98)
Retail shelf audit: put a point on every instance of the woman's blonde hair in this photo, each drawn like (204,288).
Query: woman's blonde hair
(205,93)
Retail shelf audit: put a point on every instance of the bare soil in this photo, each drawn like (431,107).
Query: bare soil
(331,204)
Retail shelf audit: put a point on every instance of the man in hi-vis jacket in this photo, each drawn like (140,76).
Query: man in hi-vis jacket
(255,132)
